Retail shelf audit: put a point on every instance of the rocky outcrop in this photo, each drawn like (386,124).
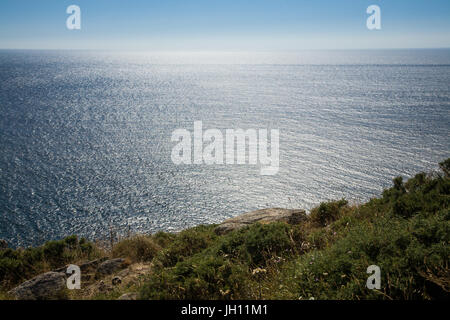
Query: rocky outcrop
(110,266)
(291,216)
(120,281)
(47,286)
(85,267)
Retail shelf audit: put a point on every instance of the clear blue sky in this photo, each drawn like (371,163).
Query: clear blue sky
(224,24)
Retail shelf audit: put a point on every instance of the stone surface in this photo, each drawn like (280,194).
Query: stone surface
(92,265)
(128,296)
(47,286)
(291,216)
(85,267)
(110,266)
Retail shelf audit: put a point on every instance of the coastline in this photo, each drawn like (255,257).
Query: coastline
(265,254)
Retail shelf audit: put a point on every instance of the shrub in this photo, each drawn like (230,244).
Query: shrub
(137,249)
(445,167)
(187,243)
(258,243)
(406,260)
(163,239)
(205,275)
(327,212)
(22,264)
(264,241)
(419,194)
(199,277)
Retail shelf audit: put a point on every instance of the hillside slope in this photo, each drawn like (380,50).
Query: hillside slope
(324,256)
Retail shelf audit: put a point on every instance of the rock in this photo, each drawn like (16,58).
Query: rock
(3,244)
(47,286)
(128,296)
(91,265)
(291,216)
(85,267)
(110,266)
(116,280)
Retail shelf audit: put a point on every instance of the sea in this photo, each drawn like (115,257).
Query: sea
(85,136)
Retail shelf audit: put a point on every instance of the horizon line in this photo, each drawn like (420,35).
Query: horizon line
(230,51)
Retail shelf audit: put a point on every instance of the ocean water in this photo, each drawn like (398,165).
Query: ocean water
(85,137)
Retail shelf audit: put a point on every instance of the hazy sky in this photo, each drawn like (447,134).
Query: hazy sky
(263,25)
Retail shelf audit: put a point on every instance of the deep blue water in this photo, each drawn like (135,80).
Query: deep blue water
(85,136)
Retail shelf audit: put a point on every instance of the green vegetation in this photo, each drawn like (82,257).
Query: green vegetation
(136,249)
(22,264)
(405,232)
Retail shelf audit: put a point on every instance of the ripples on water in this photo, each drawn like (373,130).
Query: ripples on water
(85,137)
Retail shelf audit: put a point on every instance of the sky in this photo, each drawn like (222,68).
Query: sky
(231,25)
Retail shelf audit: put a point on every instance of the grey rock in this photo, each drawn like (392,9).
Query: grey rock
(291,216)
(128,296)
(88,266)
(47,286)
(110,266)
(91,265)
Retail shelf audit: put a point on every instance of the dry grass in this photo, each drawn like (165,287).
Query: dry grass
(137,249)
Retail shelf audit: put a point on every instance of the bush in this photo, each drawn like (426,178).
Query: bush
(199,277)
(258,243)
(420,194)
(223,269)
(187,243)
(405,233)
(445,167)
(413,264)
(264,241)
(137,249)
(163,239)
(22,264)
(327,212)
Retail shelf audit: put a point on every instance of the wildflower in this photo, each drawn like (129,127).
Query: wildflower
(258,270)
